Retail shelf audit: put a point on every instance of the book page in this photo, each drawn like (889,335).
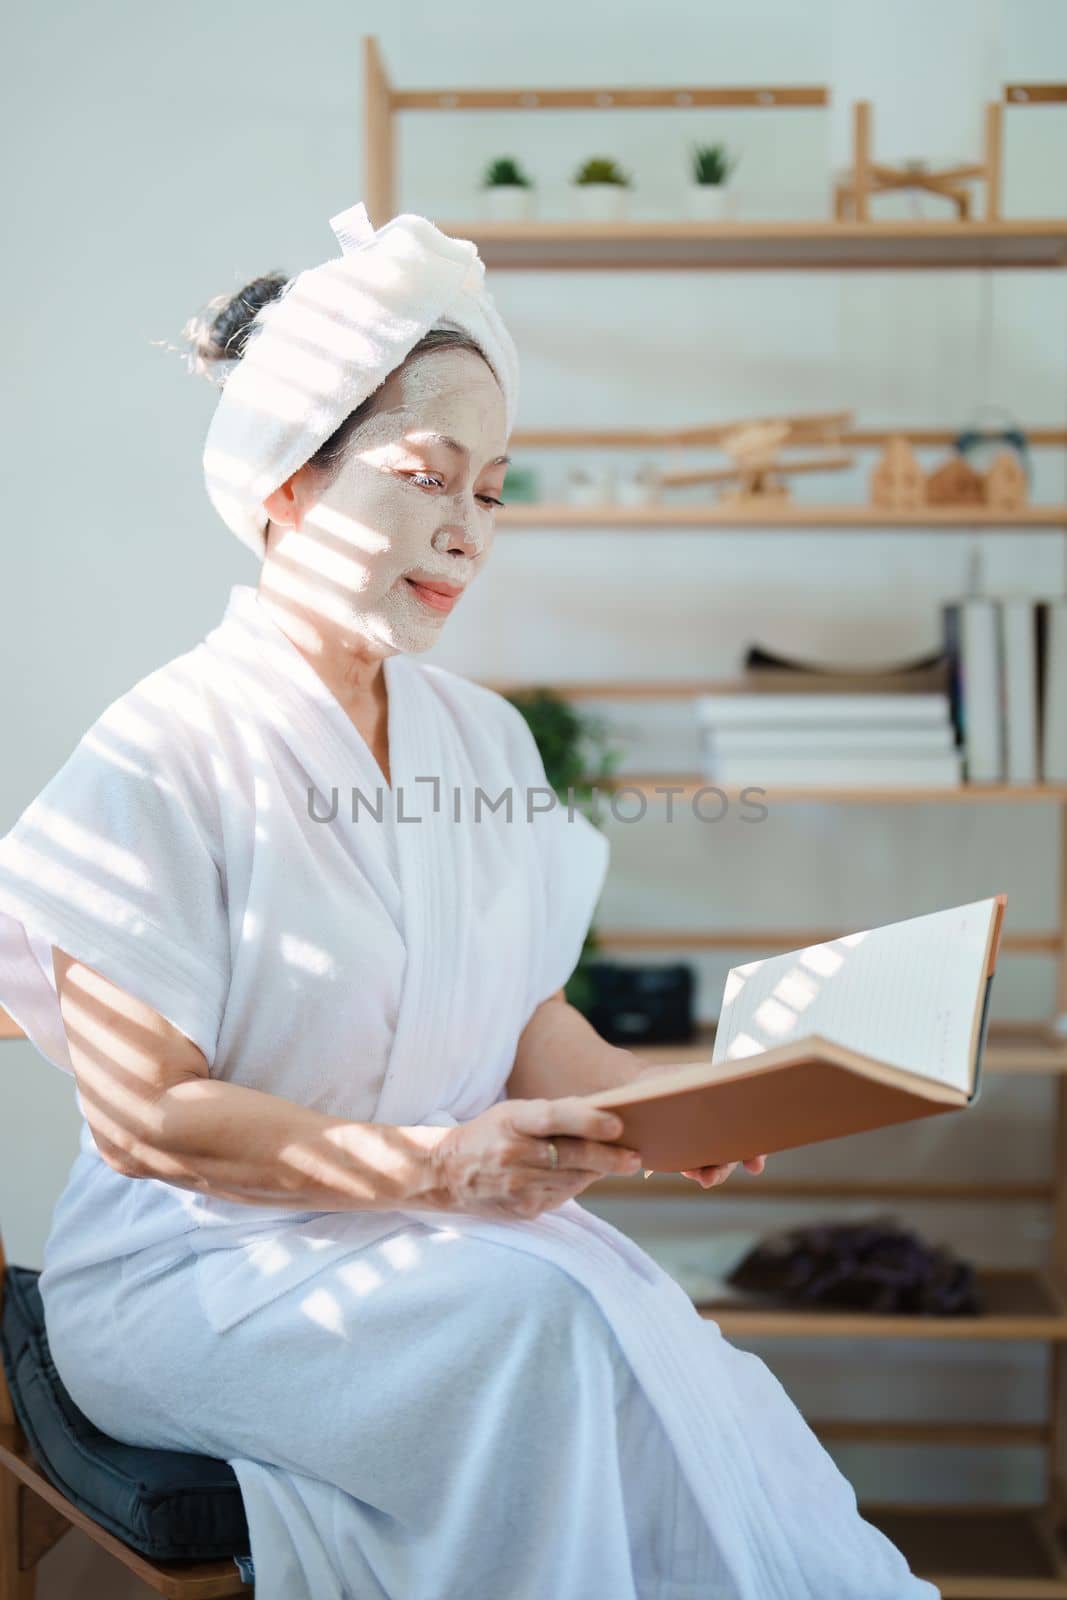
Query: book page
(906,993)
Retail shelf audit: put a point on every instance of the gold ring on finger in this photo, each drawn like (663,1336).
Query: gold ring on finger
(553,1154)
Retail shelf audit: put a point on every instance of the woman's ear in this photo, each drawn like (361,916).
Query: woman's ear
(286,503)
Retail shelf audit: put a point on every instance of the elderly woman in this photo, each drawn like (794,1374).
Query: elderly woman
(296,915)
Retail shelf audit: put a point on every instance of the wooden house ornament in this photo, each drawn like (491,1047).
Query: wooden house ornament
(897,481)
(1005,482)
(955,483)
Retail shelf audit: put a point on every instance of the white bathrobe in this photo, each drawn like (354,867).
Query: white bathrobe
(211,846)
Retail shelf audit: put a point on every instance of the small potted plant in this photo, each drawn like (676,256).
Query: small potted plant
(601,189)
(589,486)
(642,488)
(709,196)
(506,191)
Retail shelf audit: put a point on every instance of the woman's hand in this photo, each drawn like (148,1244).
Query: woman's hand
(707,1177)
(499,1163)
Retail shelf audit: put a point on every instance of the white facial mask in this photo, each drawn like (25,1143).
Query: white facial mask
(403,503)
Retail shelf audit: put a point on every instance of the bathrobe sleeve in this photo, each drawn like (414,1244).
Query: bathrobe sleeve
(572,862)
(114,862)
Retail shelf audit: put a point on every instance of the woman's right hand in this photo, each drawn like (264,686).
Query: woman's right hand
(499,1165)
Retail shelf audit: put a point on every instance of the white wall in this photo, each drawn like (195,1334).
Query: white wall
(165,154)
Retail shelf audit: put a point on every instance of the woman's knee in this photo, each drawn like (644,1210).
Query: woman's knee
(553,1309)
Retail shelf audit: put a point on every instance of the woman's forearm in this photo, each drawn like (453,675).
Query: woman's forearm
(243,1144)
(560,1052)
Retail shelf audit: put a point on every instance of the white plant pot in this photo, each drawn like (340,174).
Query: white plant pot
(710,202)
(594,486)
(507,202)
(601,202)
(636,492)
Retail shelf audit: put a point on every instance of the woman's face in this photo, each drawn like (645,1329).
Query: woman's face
(403,506)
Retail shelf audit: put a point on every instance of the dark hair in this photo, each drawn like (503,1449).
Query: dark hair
(219,334)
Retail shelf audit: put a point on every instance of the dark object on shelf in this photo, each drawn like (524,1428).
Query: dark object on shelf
(770,670)
(973,440)
(865,1266)
(641,1005)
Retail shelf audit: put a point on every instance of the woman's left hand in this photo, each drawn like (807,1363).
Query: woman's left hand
(707,1177)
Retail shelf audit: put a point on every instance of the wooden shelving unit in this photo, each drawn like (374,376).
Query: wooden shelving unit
(971,1553)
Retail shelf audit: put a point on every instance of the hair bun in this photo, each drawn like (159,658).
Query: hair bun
(218,334)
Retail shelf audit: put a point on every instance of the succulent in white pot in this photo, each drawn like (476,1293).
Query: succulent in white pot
(507,193)
(589,486)
(710,196)
(601,190)
(641,488)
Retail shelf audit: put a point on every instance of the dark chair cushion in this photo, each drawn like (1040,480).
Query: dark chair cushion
(170,1505)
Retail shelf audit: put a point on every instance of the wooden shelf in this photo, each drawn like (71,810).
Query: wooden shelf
(715,516)
(978,1552)
(709,436)
(1021,1305)
(903,794)
(575,246)
(1010,1048)
(743,1186)
(776,940)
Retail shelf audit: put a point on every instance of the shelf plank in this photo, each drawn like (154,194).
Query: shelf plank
(1021,1305)
(775,940)
(710,435)
(687,784)
(713,515)
(962,1435)
(977,1553)
(1010,1048)
(676,244)
(742,1186)
(691,97)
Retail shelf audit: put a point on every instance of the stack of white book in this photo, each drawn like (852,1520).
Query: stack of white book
(840,740)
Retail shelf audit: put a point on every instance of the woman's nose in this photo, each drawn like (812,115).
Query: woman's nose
(462,532)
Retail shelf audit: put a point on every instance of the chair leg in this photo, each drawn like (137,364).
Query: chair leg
(15,1583)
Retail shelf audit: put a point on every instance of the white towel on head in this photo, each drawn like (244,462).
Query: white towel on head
(329,340)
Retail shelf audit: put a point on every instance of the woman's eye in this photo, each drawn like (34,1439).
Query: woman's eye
(412,476)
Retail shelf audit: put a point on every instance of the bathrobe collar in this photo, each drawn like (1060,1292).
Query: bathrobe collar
(431,855)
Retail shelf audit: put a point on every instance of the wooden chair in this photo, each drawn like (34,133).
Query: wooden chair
(34,1515)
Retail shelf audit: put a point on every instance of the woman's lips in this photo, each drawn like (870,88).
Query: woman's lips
(431,597)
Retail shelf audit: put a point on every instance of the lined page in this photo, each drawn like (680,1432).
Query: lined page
(906,993)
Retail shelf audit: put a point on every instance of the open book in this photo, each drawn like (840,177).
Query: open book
(873,1028)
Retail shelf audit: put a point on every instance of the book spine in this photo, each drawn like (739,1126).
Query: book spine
(1019,701)
(1054,730)
(902,710)
(950,627)
(772,740)
(980,655)
(932,771)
